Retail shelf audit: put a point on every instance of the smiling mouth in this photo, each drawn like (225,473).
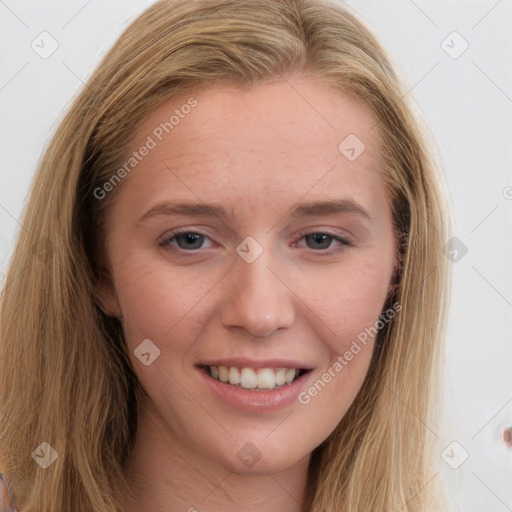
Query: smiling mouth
(260,379)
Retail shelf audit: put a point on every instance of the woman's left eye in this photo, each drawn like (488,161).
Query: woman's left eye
(192,240)
(320,240)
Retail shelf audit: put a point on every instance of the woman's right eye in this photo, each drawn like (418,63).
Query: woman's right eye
(186,240)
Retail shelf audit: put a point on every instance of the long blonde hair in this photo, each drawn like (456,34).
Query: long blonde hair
(65,377)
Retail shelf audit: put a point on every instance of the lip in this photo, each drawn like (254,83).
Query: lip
(256,401)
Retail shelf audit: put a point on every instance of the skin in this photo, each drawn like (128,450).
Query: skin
(258,153)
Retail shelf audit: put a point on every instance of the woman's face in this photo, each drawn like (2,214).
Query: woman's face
(280,270)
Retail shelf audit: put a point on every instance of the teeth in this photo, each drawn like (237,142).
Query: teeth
(223,374)
(280,377)
(234,376)
(249,378)
(290,375)
(266,378)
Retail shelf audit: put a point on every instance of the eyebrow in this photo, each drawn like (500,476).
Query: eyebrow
(309,208)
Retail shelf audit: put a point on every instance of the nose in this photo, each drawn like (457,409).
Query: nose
(257,299)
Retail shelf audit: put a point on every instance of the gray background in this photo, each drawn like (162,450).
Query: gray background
(466,100)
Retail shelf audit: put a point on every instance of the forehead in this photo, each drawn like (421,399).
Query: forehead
(283,137)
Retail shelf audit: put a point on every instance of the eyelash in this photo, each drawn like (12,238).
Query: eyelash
(165,242)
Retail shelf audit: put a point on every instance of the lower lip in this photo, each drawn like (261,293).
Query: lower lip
(256,401)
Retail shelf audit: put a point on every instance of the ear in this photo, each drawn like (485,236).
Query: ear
(105,294)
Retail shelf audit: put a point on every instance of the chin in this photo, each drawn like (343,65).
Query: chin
(262,457)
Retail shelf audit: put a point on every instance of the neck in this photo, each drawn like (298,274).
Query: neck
(165,473)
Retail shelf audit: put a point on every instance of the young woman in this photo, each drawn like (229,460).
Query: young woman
(230,290)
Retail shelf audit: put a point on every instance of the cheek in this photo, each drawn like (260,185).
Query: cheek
(350,303)
(168,307)
(349,299)
(328,396)
(157,300)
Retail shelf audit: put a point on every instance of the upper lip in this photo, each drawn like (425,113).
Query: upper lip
(253,363)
